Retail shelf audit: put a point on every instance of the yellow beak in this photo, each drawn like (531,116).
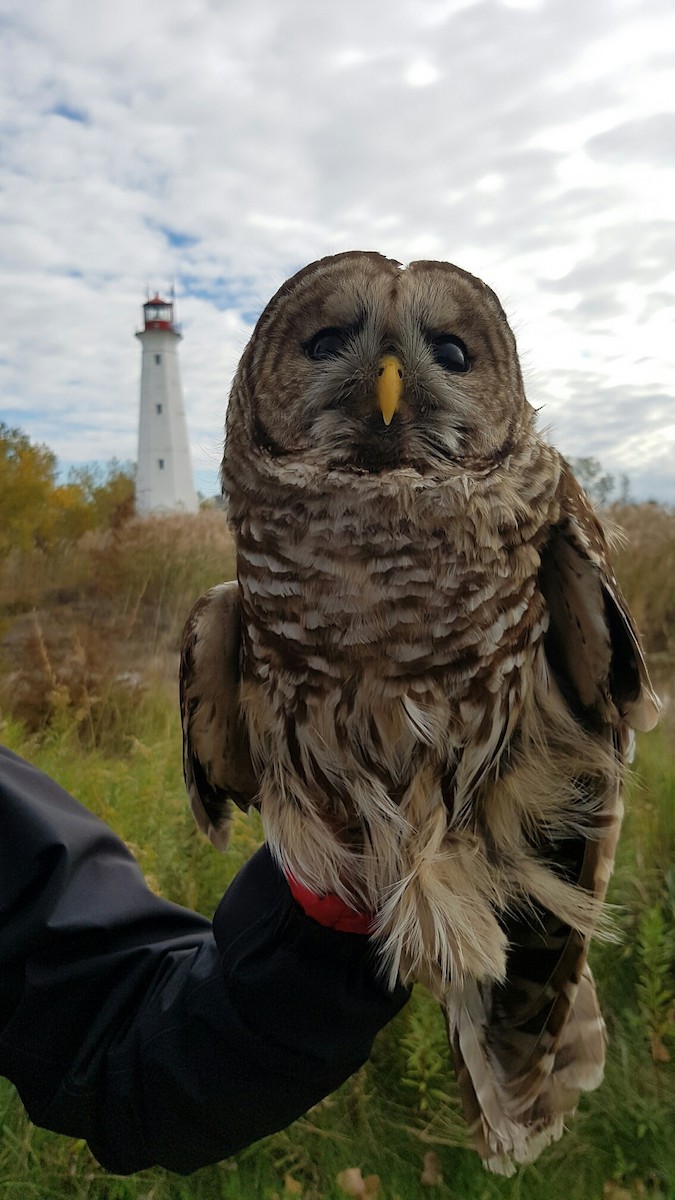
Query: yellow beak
(388,386)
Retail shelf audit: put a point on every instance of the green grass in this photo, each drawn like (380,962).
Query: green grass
(403,1103)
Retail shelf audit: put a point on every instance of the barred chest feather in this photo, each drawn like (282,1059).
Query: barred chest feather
(399,589)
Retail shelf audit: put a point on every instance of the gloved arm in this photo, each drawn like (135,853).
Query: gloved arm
(135,1024)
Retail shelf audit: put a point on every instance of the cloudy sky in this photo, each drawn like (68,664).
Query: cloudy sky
(224,143)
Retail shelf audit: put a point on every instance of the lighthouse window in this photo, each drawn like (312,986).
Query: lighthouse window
(158,407)
(158,359)
(161,464)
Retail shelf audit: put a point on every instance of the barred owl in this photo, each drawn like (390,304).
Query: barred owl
(425,676)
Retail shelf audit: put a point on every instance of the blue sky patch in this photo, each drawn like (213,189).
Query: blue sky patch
(176,238)
(70,113)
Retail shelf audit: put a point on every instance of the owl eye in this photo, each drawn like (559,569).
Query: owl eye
(451,353)
(325,344)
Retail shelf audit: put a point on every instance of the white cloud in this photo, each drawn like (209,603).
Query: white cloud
(227,145)
(420,74)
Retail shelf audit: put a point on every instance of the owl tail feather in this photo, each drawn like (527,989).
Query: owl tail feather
(519,1081)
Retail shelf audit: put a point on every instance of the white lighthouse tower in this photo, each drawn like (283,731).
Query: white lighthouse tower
(164,474)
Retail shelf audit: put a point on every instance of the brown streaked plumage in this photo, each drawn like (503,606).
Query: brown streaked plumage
(426,677)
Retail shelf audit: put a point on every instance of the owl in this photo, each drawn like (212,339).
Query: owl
(425,676)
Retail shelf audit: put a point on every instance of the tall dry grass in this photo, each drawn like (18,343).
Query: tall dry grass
(88,628)
(157,565)
(645,566)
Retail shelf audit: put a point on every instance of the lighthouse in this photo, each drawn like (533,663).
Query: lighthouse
(164,474)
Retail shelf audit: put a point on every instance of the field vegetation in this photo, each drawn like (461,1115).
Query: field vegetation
(90,625)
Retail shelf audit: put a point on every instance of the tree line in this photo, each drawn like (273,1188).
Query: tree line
(39,512)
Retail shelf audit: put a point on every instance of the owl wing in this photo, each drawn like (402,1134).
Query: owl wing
(525,1048)
(592,645)
(216,759)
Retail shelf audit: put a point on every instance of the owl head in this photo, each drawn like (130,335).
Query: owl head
(360,364)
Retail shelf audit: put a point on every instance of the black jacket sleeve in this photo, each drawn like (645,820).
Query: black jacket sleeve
(139,1026)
